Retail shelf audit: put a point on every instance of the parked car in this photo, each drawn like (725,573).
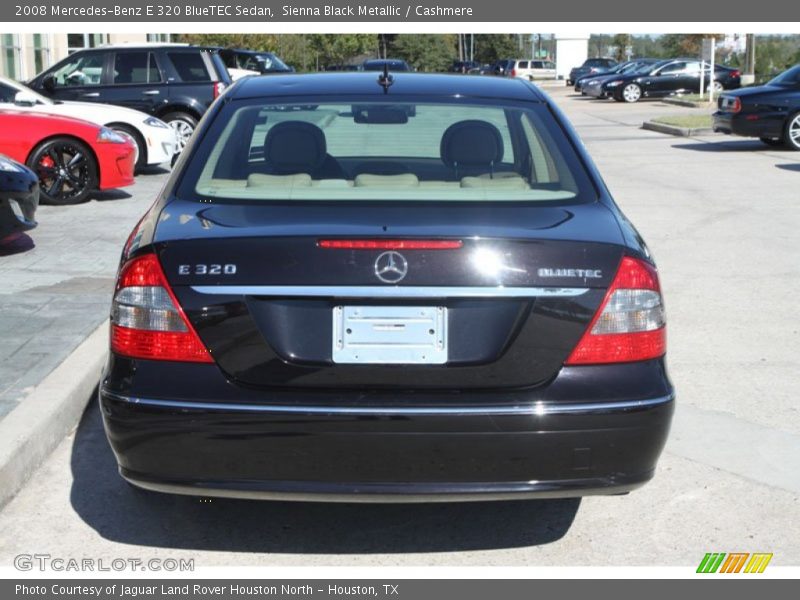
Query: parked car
(464,66)
(625,67)
(174,82)
(378,64)
(71,157)
(770,112)
(19,198)
(532,69)
(343,67)
(442,308)
(500,68)
(241,63)
(592,85)
(669,78)
(483,69)
(591,66)
(155,141)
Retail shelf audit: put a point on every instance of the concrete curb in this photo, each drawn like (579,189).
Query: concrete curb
(30,432)
(689,103)
(679,131)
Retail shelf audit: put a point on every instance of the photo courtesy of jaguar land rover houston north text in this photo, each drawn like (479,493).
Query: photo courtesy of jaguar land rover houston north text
(386,287)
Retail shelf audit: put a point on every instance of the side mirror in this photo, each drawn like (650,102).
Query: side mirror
(49,83)
(24,98)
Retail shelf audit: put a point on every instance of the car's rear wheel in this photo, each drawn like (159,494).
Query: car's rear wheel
(184,125)
(631,93)
(67,170)
(791,135)
(129,133)
(718,87)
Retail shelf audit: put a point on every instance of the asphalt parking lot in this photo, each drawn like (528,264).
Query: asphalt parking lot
(721,216)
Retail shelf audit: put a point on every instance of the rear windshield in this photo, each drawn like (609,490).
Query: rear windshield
(790,77)
(384,151)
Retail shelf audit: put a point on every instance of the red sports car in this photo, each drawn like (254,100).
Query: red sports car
(71,157)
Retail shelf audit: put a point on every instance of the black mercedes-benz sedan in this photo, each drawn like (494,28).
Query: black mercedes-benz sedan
(669,78)
(19,198)
(592,85)
(770,112)
(352,303)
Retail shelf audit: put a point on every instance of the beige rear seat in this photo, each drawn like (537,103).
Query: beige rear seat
(295,180)
(401,180)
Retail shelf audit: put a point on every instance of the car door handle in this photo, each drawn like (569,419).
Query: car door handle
(91,95)
(151,93)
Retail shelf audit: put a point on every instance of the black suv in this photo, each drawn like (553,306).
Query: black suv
(174,82)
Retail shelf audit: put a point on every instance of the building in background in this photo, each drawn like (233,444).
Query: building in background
(26,54)
(571,51)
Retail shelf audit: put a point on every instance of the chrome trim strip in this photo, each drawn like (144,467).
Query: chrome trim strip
(534,490)
(533,409)
(375,291)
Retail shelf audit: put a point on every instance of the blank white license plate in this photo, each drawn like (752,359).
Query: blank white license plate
(390,334)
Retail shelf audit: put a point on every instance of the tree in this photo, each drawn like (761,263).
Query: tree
(648,46)
(495,46)
(249,41)
(686,44)
(599,45)
(620,42)
(339,48)
(425,52)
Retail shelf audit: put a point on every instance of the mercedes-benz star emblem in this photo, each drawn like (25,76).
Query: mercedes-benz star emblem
(391,267)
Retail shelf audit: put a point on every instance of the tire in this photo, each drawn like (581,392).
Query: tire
(791,133)
(132,134)
(774,142)
(184,125)
(67,170)
(718,88)
(631,93)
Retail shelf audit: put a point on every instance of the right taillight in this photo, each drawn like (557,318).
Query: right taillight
(630,324)
(146,319)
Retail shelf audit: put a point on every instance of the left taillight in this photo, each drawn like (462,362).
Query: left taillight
(630,324)
(219,87)
(147,320)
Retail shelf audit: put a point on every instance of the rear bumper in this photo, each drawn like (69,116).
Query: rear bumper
(282,450)
(749,124)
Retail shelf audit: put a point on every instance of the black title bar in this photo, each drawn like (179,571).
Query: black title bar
(379,11)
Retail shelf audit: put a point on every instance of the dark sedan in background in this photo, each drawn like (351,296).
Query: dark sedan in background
(356,305)
(770,112)
(255,61)
(379,64)
(19,198)
(591,66)
(592,84)
(669,78)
